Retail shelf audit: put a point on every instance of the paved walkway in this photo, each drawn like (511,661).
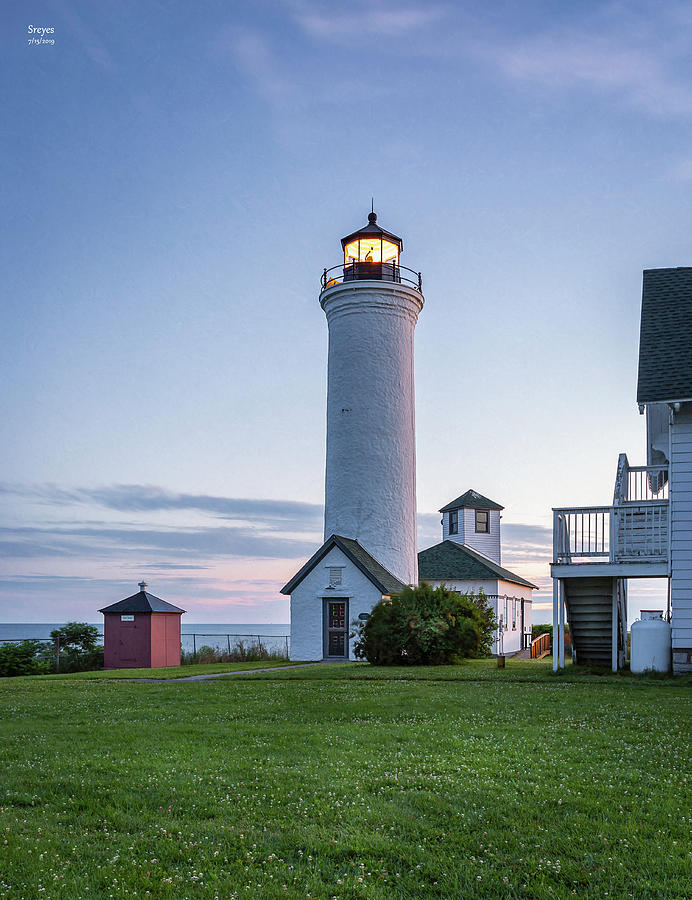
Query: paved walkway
(222,674)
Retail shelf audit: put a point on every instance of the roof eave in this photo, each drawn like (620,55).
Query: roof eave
(668,400)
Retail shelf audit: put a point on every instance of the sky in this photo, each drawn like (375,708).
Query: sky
(176,176)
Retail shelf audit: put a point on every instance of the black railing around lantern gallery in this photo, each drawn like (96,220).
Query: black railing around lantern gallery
(371,271)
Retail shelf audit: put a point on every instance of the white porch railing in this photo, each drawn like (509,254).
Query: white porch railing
(636,483)
(634,529)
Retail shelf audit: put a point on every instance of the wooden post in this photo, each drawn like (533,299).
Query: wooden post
(614,628)
(561,643)
(556,602)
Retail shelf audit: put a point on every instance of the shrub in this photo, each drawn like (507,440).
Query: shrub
(545,629)
(426,626)
(22,658)
(240,652)
(78,647)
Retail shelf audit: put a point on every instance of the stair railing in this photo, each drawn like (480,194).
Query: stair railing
(540,645)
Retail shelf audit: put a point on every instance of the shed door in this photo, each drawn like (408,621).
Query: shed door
(335,618)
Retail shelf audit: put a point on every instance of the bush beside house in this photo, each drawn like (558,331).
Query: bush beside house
(426,626)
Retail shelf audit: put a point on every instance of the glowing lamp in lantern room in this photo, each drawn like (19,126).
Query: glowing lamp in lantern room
(372,252)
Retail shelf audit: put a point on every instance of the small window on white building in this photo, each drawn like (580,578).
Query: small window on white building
(454,521)
(482,521)
(335,573)
(506,615)
(514,615)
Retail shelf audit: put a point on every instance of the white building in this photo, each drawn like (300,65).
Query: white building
(647,530)
(468,560)
(340,584)
(372,304)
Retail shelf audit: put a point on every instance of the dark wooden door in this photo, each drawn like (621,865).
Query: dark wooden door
(335,617)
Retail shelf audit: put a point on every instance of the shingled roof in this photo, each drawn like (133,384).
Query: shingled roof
(449,561)
(473,500)
(142,602)
(383,580)
(665,342)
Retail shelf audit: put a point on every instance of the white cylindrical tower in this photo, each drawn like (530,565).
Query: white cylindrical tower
(372,305)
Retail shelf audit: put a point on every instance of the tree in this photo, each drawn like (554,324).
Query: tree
(22,658)
(426,626)
(77,647)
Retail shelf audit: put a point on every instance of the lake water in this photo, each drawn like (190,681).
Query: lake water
(273,637)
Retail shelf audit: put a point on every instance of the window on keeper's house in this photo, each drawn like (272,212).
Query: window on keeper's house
(482,521)
(335,575)
(506,615)
(514,615)
(454,521)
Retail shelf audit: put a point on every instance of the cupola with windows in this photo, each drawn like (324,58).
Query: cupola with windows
(474,520)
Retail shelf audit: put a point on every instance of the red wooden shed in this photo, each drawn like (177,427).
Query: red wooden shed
(141,632)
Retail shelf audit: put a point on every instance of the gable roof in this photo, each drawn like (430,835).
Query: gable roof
(471,499)
(359,556)
(142,602)
(665,346)
(451,561)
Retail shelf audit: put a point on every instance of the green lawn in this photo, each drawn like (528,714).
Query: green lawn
(347,782)
(177,671)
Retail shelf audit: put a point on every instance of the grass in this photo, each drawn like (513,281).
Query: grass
(176,671)
(347,782)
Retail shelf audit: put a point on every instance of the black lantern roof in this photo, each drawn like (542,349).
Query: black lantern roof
(373,230)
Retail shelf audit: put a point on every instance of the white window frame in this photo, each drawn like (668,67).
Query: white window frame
(486,513)
(336,575)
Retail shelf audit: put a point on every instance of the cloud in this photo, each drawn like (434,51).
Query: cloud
(631,54)
(519,539)
(273,514)
(258,63)
(195,543)
(84,34)
(682,170)
(364,19)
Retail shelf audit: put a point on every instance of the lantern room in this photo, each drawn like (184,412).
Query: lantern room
(372,246)
(371,254)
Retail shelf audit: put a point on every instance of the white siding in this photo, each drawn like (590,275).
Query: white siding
(681,534)
(513,636)
(487,544)
(307,603)
(466,587)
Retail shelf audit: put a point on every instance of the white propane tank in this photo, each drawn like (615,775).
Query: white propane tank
(650,644)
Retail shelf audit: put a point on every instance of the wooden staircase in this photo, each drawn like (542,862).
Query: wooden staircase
(589,604)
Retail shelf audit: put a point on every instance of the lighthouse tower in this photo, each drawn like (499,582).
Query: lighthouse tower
(370,486)
(372,304)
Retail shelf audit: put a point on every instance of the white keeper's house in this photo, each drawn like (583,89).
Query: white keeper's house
(468,560)
(372,304)
(646,532)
